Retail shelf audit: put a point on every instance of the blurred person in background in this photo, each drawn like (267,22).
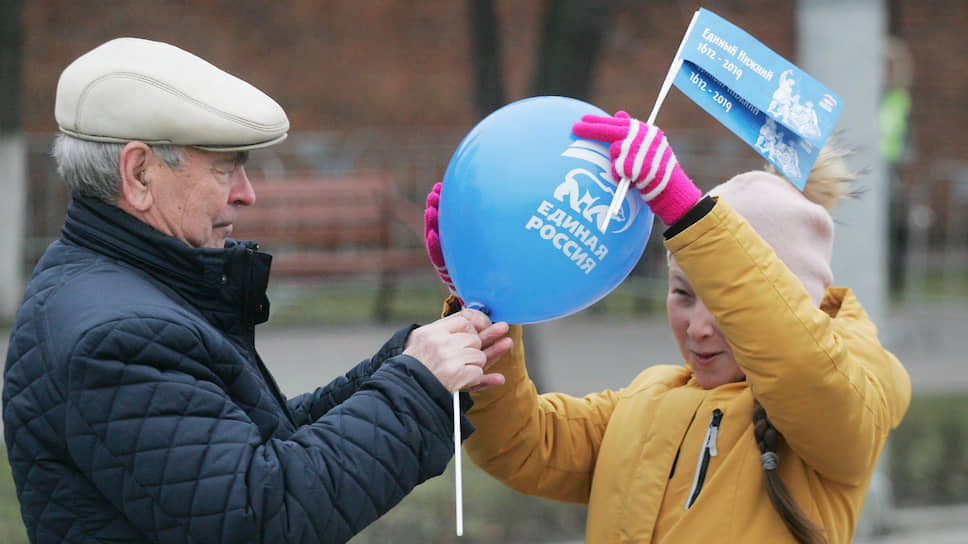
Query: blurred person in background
(771,429)
(135,406)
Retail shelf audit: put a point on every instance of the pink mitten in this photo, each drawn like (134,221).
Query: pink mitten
(432,238)
(641,154)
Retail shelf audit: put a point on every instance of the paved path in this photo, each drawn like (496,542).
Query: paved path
(586,353)
(934,525)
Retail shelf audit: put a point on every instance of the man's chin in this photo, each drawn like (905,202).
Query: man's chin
(215,242)
(218,237)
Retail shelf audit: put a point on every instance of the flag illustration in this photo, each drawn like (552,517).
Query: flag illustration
(774,106)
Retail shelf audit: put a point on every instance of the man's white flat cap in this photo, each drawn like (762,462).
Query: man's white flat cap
(133,89)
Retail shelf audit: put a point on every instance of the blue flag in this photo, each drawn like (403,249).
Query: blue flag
(775,107)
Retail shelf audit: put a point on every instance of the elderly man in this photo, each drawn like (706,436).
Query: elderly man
(135,406)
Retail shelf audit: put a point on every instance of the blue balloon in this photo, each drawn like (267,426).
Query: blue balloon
(520,208)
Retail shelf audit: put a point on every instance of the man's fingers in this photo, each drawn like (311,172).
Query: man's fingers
(494,333)
(458,322)
(497,350)
(469,376)
(457,349)
(486,380)
(477,318)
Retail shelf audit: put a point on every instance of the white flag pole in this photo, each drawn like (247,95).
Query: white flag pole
(623,185)
(457,468)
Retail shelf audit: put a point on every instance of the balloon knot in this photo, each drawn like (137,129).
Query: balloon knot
(479,307)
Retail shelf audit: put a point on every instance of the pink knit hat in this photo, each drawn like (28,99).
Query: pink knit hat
(800,231)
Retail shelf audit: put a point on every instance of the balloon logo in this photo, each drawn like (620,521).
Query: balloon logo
(520,209)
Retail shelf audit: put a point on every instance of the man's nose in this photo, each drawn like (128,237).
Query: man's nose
(242,193)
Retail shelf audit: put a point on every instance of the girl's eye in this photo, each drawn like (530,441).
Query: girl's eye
(679,292)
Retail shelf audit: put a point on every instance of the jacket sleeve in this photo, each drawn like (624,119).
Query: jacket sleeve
(822,375)
(544,445)
(309,407)
(154,429)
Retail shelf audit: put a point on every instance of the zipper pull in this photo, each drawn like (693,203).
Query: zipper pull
(714,431)
(708,450)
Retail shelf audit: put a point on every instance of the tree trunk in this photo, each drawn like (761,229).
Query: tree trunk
(570,43)
(486,57)
(12,157)
(11,64)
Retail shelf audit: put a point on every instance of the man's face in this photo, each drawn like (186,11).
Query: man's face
(702,344)
(198,202)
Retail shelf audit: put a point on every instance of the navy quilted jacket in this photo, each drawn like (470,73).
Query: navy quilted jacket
(136,408)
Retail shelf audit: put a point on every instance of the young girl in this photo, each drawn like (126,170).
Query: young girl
(770,429)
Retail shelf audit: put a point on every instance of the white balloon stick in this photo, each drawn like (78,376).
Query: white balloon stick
(623,185)
(457,468)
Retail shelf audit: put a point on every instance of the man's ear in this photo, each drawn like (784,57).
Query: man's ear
(135,191)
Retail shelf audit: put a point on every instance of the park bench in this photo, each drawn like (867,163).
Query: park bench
(321,227)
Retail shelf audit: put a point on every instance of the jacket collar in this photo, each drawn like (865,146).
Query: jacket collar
(226,285)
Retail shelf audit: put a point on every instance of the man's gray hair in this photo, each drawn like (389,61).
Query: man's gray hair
(94,168)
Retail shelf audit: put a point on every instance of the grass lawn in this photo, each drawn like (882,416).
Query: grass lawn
(418,299)
(492,513)
(928,461)
(11,526)
(929,452)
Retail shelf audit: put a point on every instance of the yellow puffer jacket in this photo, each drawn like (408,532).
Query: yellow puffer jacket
(634,455)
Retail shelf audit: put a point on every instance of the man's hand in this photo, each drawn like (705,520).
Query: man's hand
(459,348)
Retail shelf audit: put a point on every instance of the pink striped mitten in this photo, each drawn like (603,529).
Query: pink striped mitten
(641,154)
(432,238)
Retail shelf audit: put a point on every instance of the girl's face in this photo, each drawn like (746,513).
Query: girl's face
(702,344)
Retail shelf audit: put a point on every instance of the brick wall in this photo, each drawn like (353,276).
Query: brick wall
(341,64)
(344,64)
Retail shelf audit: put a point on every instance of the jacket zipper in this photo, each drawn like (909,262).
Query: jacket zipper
(708,451)
(270,381)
